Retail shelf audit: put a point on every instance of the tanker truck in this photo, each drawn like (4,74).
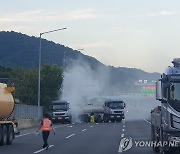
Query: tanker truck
(165,118)
(8,127)
(106,110)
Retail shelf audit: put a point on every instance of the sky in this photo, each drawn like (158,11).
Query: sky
(143,34)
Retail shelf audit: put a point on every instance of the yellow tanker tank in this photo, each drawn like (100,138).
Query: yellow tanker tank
(6,101)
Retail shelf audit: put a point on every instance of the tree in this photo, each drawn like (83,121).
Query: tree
(51,84)
(26,83)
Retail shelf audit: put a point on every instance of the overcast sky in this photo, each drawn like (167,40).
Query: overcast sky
(141,34)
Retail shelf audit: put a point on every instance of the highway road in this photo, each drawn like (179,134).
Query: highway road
(84,138)
(92,138)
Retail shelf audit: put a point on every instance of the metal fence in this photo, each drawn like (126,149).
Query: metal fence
(27,112)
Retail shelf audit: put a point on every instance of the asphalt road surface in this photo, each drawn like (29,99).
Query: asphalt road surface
(84,138)
(92,138)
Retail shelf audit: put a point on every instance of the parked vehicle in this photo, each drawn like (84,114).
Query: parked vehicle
(110,110)
(60,111)
(165,119)
(8,127)
(113,110)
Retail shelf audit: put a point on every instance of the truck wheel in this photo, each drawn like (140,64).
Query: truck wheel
(105,118)
(112,120)
(119,120)
(162,149)
(69,121)
(10,134)
(154,138)
(4,135)
(0,132)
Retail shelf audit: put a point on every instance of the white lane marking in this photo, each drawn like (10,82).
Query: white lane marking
(123,130)
(97,123)
(43,149)
(124,126)
(35,132)
(61,126)
(92,126)
(84,130)
(147,121)
(120,148)
(122,135)
(70,135)
(69,126)
(73,123)
(24,134)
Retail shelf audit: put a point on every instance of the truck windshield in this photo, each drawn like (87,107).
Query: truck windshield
(59,107)
(116,104)
(175,91)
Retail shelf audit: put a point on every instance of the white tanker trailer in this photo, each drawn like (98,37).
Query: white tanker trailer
(108,110)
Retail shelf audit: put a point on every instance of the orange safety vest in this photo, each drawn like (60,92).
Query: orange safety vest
(46,125)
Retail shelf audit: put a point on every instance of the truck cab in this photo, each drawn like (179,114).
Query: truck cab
(60,111)
(165,119)
(113,110)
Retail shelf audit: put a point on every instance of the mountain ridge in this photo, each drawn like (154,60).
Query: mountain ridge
(21,50)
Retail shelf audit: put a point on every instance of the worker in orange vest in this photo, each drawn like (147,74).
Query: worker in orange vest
(46,127)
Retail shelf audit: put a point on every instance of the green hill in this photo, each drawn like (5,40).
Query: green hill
(20,50)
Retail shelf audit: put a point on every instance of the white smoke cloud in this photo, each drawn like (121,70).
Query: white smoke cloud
(81,83)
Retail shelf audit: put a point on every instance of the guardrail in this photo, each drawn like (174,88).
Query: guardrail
(27,115)
(22,111)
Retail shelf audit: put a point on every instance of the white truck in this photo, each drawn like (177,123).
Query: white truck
(165,119)
(60,111)
(111,110)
